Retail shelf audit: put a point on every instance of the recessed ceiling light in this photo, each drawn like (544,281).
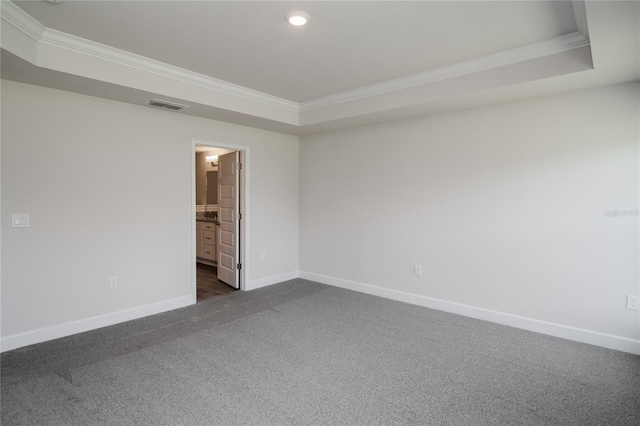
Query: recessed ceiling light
(297,18)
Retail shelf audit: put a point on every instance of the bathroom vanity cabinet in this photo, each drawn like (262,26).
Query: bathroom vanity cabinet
(206,242)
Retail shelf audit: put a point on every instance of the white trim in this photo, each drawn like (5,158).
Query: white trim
(16,17)
(610,341)
(274,279)
(132,60)
(21,20)
(74,327)
(499,59)
(580,14)
(192,216)
(245,210)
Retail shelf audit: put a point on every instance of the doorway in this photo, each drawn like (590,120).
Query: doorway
(207,283)
(220,212)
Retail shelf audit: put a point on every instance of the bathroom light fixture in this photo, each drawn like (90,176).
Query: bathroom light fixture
(212,160)
(297,18)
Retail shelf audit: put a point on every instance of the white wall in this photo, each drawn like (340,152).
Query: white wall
(503,206)
(108,188)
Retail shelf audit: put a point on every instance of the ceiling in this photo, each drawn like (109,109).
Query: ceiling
(346,44)
(354,63)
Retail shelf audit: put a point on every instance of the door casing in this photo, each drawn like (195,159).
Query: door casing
(244,196)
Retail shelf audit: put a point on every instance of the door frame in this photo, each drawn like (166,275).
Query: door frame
(243,189)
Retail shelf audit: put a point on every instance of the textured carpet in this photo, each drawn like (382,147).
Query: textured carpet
(302,353)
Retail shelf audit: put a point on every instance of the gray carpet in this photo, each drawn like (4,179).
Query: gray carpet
(302,353)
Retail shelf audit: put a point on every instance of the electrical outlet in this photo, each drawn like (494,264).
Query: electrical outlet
(633,302)
(264,256)
(417,269)
(20,220)
(113,282)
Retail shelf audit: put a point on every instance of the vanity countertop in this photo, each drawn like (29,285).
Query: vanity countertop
(202,218)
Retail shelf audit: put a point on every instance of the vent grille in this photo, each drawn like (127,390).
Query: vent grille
(166,104)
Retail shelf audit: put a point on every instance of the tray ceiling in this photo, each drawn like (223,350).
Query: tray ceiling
(355,62)
(346,45)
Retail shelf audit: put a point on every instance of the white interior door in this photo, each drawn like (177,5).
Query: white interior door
(229,219)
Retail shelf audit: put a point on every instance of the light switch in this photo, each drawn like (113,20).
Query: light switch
(20,220)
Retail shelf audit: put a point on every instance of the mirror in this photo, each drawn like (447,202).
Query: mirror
(207,176)
(212,187)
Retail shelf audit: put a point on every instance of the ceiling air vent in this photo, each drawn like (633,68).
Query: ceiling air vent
(166,104)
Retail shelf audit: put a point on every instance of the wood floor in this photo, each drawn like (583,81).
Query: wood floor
(207,283)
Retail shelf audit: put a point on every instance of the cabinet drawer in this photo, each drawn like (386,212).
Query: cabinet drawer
(209,252)
(208,226)
(209,237)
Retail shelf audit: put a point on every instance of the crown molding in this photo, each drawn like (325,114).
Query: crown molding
(580,15)
(506,57)
(104,52)
(23,22)
(18,18)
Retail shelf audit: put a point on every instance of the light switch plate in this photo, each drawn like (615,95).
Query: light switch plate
(20,220)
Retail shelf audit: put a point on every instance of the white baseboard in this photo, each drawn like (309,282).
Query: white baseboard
(567,332)
(55,332)
(263,282)
(610,341)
